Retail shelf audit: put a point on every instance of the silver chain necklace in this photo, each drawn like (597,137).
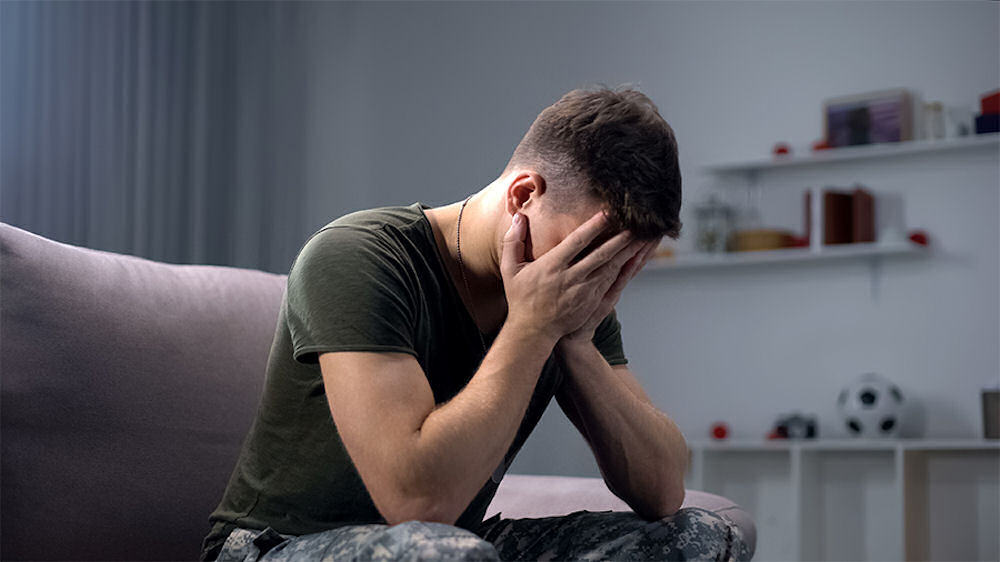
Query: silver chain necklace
(461,268)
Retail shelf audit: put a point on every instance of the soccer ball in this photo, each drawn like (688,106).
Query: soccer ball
(871,406)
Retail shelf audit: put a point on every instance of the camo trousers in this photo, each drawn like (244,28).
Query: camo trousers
(690,534)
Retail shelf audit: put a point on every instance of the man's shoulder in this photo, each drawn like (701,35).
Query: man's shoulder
(379,218)
(365,235)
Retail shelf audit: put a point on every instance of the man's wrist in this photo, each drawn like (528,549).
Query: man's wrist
(569,345)
(533,332)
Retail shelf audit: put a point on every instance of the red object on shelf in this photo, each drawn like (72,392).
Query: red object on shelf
(799,242)
(720,430)
(990,103)
(781,149)
(919,237)
(775,435)
(821,145)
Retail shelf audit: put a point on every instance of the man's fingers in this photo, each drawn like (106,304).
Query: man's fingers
(579,239)
(635,264)
(619,263)
(603,253)
(513,245)
(628,272)
(645,256)
(615,291)
(608,274)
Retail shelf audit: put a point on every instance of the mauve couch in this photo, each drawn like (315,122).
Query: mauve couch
(127,389)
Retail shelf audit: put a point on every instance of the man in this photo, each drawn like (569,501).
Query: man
(416,349)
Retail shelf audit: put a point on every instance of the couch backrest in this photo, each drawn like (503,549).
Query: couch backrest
(126,389)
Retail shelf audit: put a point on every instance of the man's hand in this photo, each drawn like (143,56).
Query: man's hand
(585,333)
(553,296)
(640,451)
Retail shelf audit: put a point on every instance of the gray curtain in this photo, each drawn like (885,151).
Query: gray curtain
(169,130)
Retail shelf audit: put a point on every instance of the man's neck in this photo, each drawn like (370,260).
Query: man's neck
(480,259)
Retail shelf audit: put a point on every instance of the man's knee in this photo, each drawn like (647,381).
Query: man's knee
(417,540)
(697,534)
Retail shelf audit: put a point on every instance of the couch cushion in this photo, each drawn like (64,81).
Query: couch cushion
(127,389)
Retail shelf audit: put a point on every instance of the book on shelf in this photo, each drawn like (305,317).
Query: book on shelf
(848,216)
(862,216)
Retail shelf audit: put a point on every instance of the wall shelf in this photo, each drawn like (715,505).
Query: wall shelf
(855,153)
(867,251)
(873,253)
(854,499)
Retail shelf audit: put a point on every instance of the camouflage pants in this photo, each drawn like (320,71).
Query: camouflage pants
(690,534)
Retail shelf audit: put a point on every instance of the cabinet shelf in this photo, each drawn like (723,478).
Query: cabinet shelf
(850,445)
(854,153)
(873,250)
(806,495)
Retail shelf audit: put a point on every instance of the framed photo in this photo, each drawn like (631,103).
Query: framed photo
(875,117)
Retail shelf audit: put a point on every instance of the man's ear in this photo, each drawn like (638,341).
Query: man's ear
(523,191)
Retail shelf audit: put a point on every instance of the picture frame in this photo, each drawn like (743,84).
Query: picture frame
(869,118)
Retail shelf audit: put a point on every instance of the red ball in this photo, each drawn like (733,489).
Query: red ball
(720,430)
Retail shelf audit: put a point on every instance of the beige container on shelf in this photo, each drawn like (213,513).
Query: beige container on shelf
(759,239)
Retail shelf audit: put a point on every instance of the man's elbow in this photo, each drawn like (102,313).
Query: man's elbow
(663,504)
(400,509)
(673,501)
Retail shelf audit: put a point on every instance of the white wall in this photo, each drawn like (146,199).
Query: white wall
(425,101)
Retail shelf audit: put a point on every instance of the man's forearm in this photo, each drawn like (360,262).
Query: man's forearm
(640,451)
(462,441)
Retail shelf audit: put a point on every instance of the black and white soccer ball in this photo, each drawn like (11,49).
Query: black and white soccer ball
(871,406)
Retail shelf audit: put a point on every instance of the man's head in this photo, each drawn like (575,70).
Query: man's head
(598,149)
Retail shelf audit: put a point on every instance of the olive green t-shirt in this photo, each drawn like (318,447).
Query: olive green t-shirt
(369,281)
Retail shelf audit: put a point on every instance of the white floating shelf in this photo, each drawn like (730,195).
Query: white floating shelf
(787,255)
(863,152)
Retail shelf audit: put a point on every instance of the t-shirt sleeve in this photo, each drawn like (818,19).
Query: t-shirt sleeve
(347,291)
(608,340)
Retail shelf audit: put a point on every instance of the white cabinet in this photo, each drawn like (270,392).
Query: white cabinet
(860,500)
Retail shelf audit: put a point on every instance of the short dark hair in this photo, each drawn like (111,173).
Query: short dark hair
(616,143)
